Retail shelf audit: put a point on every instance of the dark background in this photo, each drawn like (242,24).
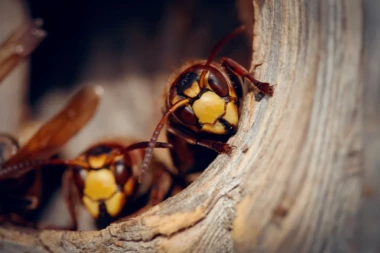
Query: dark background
(103,40)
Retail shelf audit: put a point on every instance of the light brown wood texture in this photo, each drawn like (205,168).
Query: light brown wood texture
(294,183)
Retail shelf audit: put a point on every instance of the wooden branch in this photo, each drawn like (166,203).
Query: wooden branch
(293,184)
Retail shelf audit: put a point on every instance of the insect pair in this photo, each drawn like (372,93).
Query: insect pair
(103,177)
(202,110)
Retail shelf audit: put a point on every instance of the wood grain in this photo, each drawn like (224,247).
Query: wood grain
(307,159)
(294,182)
(368,231)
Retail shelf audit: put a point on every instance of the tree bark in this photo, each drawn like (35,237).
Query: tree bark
(294,182)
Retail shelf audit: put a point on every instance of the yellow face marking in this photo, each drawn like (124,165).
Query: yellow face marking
(232,92)
(216,128)
(193,90)
(98,161)
(232,115)
(205,81)
(115,204)
(129,186)
(99,184)
(208,108)
(92,206)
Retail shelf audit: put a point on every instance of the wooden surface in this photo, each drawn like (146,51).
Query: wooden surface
(294,183)
(368,229)
(306,161)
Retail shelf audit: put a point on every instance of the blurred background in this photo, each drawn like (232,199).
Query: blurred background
(131,48)
(128,47)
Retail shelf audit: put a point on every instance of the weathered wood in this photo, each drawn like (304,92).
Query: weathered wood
(294,182)
(306,161)
(368,232)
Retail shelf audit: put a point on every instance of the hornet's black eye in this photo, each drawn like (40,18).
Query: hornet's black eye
(121,172)
(99,150)
(217,83)
(185,81)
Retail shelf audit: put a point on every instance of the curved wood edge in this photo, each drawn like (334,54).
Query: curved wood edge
(293,184)
(368,230)
(304,189)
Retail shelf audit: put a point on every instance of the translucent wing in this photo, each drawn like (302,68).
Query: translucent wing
(56,132)
(19,46)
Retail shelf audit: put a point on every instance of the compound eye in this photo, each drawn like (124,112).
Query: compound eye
(186,115)
(187,81)
(79,176)
(121,172)
(217,83)
(8,147)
